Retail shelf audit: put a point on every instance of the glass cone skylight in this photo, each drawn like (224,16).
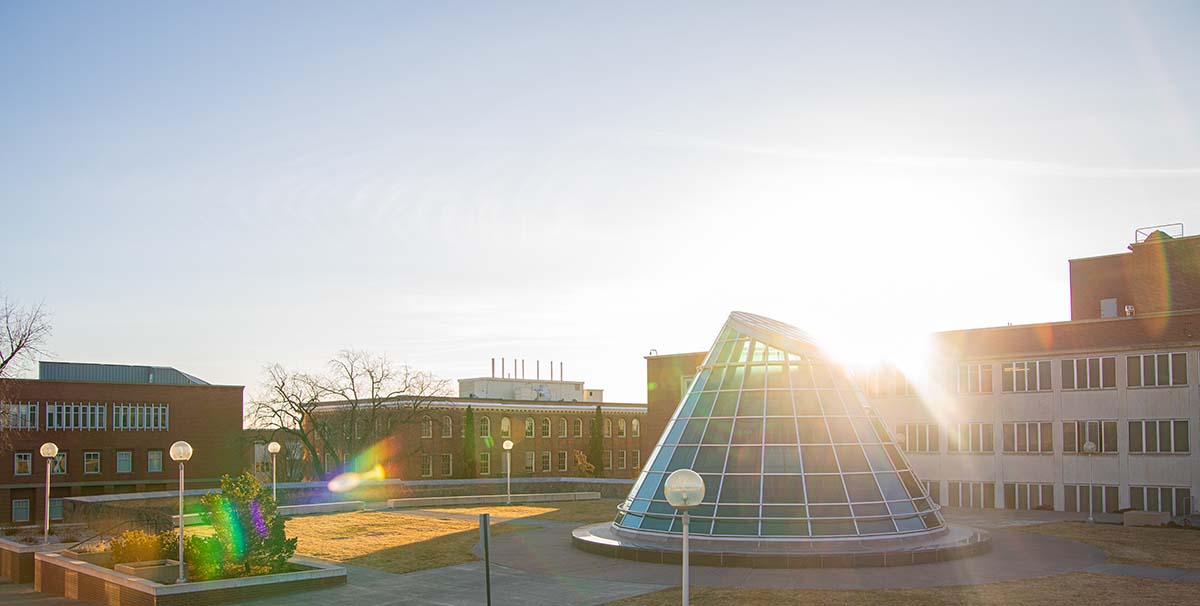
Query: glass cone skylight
(787,445)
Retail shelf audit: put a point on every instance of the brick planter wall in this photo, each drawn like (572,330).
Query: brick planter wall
(16,559)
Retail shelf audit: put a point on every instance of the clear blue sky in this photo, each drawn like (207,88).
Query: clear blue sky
(220,186)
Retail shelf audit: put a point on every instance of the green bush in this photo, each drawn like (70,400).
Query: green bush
(202,554)
(247,527)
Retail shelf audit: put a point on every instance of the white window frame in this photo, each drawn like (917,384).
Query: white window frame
(1158,492)
(1071,377)
(562,460)
(530,461)
(128,460)
(620,428)
(18,457)
(56,508)
(562,427)
(577,427)
(1157,425)
(447,464)
(99,462)
(976,377)
(621,459)
(19,415)
(485,463)
(607,427)
(1027,376)
(608,459)
(150,458)
(1090,429)
(141,417)
(546,427)
(635,459)
(426,427)
(1027,496)
(1138,381)
(530,427)
(967,496)
(21,505)
(920,437)
(485,426)
(60,465)
(447,427)
(505,427)
(977,435)
(426,466)
(547,464)
(1032,432)
(635,427)
(1079,489)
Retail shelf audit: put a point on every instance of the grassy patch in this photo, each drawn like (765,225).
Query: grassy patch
(392,542)
(600,510)
(1081,589)
(1171,547)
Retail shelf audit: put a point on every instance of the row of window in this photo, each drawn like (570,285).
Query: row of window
(23,462)
(74,416)
(485,427)
(626,459)
(1148,436)
(1142,370)
(1102,498)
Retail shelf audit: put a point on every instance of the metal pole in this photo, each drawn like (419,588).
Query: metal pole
(686,519)
(508,478)
(46,534)
(485,530)
(182,577)
(274,492)
(1091,490)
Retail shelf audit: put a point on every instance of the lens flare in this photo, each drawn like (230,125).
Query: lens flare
(350,480)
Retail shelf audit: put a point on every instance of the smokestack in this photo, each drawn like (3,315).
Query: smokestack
(522,368)
(539,370)
(503,367)
(493,368)
(560,371)
(551,370)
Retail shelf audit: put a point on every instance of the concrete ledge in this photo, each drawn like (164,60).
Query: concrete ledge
(1145,518)
(16,559)
(491,499)
(61,575)
(339,506)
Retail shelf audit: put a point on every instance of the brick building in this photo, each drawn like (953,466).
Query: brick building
(1004,415)
(113,425)
(545,433)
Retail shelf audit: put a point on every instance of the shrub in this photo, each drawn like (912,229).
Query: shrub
(136,546)
(247,528)
(202,554)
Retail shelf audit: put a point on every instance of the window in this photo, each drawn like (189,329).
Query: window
(562,428)
(91,462)
(635,459)
(577,427)
(485,463)
(1101,433)
(1163,436)
(20,510)
(545,428)
(56,508)
(1157,370)
(979,495)
(1103,498)
(19,416)
(918,437)
(426,466)
(1169,499)
(530,458)
(447,465)
(426,427)
(23,463)
(607,459)
(154,461)
(546,461)
(505,427)
(1089,373)
(447,427)
(621,459)
(975,378)
(620,428)
(562,460)
(1029,496)
(970,437)
(933,488)
(87,416)
(138,417)
(485,427)
(59,466)
(1029,437)
(636,428)
(124,461)
(1025,376)
(608,428)
(530,430)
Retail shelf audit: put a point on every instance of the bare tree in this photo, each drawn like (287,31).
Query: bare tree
(23,336)
(361,399)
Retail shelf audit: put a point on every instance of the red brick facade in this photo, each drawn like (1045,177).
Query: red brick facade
(1159,275)
(209,417)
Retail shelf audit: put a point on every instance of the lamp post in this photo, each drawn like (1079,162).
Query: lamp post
(684,489)
(1089,447)
(49,451)
(273,448)
(508,471)
(181,451)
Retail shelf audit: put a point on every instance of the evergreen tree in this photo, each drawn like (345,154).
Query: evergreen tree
(470,436)
(595,453)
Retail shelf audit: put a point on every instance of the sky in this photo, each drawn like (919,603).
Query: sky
(221,186)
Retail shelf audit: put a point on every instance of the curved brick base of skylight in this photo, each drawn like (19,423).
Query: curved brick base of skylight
(952,542)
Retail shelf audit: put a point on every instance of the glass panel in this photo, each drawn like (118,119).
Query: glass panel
(718,431)
(800,375)
(710,459)
(1135,436)
(871,509)
(740,489)
(735,527)
(661,458)
(780,430)
(826,528)
(783,489)
(825,489)
(777,377)
(682,458)
(726,404)
(841,431)
(1109,371)
(1068,374)
(1179,369)
(852,458)
(744,459)
(651,487)
(877,457)
(1181,437)
(781,459)
(822,376)
(1133,369)
(756,378)
(1164,436)
(807,403)
(892,488)
(813,431)
(1164,369)
(738,511)
(779,404)
(751,404)
(748,431)
(862,487)
(784,511)
(818,459)
(712,487)
(693,431)
(876,526)
(733,377)
(705,405)
(1148,370)
(831,404)
(788,528)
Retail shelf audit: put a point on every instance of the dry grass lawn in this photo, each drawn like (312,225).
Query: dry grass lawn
(1080,589)
(1170,547)
(599,510)
(392,542)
